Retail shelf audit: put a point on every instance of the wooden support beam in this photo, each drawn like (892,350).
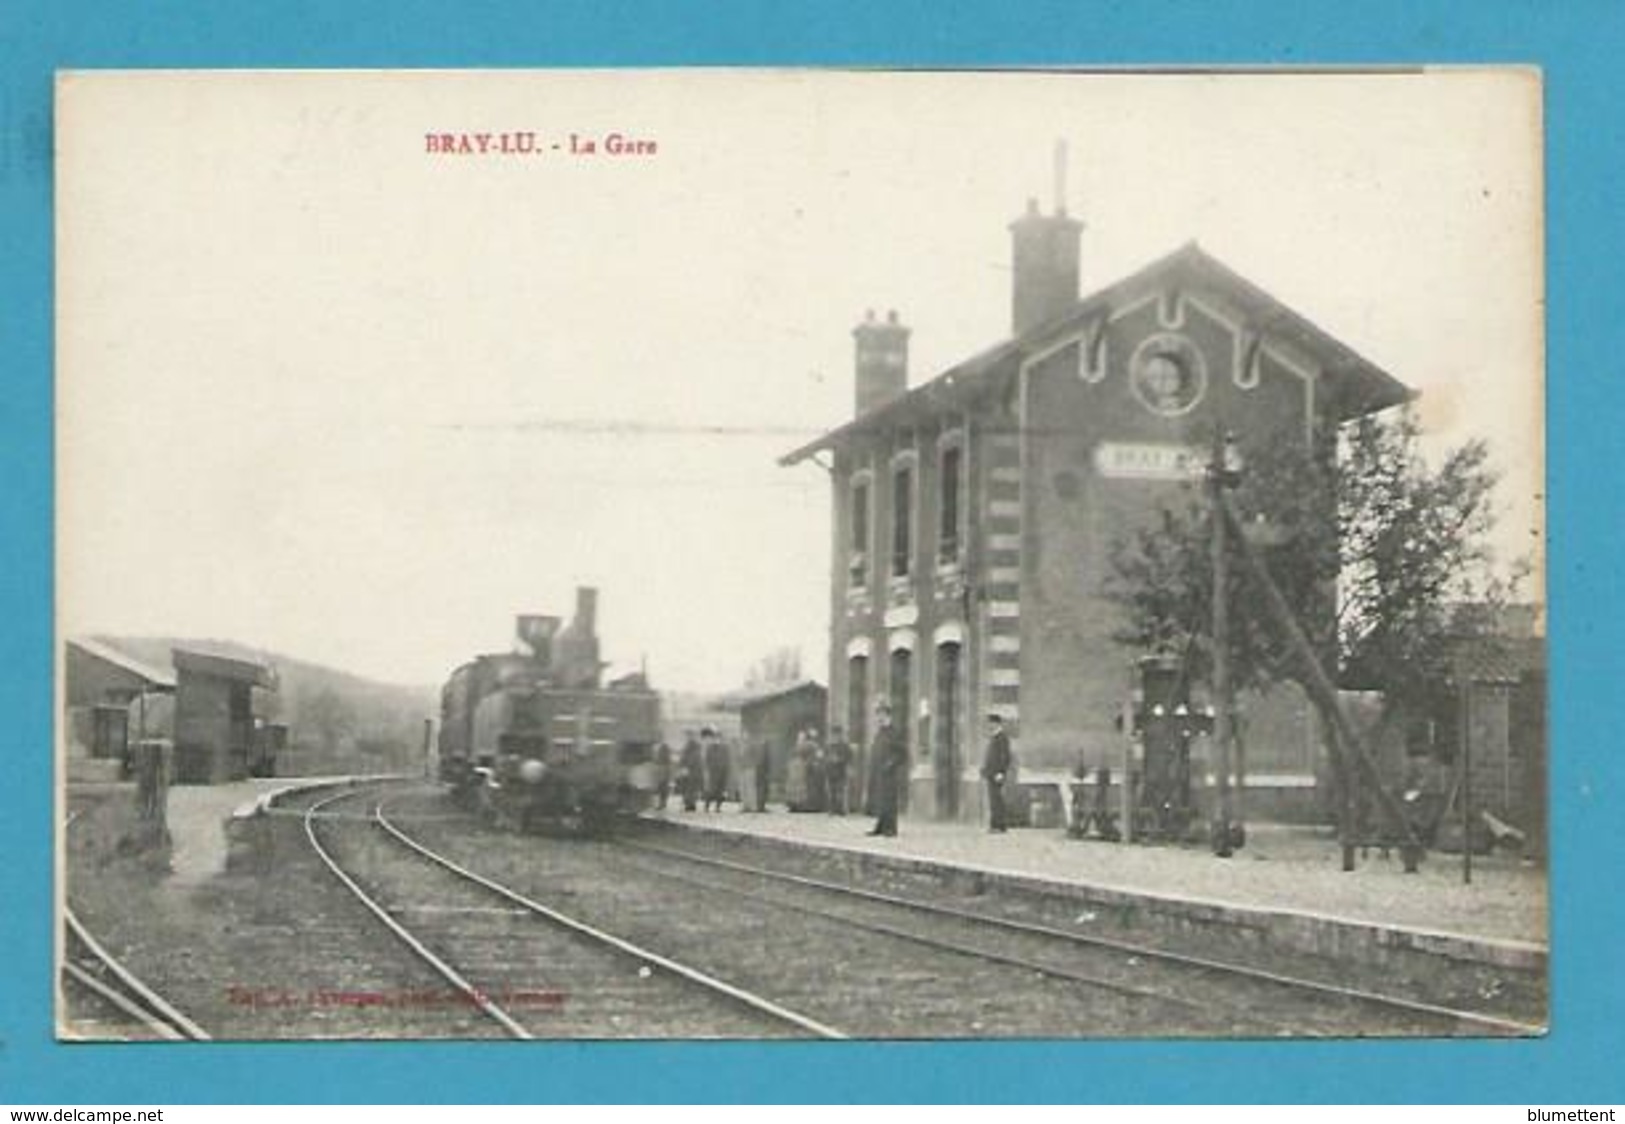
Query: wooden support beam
(1347,739)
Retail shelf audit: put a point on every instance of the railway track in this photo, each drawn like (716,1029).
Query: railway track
(1311,1007)
(872,976)
(96,980)
(129,1007)
(530,968)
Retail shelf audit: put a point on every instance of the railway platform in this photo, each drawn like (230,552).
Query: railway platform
(199,818)
(1286,885)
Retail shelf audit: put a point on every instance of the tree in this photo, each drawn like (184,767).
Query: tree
(778,667)
(1373,548)
(331,715)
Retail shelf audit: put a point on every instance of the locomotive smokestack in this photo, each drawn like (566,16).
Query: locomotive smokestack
(585,624)
(575,650)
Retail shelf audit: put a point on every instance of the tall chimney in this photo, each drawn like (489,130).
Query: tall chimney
(882,360)
(1044,257)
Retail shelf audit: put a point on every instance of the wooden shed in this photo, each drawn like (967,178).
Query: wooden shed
(214,715)
(775,715)
(109,695)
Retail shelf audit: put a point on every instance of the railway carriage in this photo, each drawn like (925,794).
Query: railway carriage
(534,737)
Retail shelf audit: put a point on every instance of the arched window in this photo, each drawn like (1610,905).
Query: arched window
(857,700)
(902,694)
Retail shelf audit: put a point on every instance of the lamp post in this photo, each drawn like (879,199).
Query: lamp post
(1223,474)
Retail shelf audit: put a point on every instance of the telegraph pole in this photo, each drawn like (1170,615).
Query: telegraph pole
(1224,471)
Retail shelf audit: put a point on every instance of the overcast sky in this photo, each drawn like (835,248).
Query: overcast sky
(326,393)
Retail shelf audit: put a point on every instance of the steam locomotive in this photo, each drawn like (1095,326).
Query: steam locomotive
(535,740)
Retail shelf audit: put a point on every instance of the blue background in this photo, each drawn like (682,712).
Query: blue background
(1579,45)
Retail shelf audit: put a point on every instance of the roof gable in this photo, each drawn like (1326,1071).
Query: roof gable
(153,676)
(1353,386)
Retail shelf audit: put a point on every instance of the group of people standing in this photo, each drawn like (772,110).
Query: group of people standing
(818,775)
(699,774)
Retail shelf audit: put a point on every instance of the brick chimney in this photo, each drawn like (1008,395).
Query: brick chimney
(1044,258)
(882,360)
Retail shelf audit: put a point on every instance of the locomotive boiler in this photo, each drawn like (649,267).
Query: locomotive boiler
(535,738)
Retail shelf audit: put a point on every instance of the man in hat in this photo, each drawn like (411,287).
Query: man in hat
(995,768)
(716,768)
(690,772)
(890,764)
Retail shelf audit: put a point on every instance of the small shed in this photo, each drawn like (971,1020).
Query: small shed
(1500,686)
(776,714)
(214,715)
(1470,743)
(113,699)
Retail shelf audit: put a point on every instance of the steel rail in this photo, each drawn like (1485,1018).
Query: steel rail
(693,975)
(122,1003)
(1262,975)
(160,1015)
(422,951)
(942,945)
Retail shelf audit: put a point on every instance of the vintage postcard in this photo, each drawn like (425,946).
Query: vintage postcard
(783,554)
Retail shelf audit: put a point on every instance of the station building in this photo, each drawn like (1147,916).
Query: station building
(974,514)
(205,708)
(112,699)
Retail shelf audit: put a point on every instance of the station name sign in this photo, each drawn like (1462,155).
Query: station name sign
(1149,462)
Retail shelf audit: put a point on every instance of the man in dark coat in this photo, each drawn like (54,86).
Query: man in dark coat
(662,774)
(837,759)
(995,768)
(890,757)
(716,769)
(690,772)
(764,773)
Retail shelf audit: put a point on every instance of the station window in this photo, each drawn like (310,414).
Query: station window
(858,534)
(948,508)
(902,520)
(857,694)
(111,732)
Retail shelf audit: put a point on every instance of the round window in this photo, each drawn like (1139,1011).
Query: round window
(1168,374)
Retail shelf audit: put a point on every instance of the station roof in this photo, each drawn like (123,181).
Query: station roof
(746,697)
(161,678)
(1496,659)
(1354,385)
(236,669)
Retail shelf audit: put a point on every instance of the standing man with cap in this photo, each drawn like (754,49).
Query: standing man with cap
(890,765)
(995,768)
